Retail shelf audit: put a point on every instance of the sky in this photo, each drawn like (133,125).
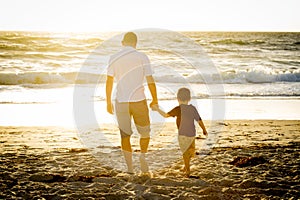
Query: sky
(114,15)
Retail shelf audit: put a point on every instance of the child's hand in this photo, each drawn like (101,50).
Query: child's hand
(155,107)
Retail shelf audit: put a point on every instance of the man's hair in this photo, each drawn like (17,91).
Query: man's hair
(184,94)
(130,37)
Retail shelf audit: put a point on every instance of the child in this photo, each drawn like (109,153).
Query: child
(185,115)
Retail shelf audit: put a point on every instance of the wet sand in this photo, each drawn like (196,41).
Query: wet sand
(257,159)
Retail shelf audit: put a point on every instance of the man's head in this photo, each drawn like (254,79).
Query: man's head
(184,95)
(129,39)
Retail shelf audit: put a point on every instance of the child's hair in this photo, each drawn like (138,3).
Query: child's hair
(184,94)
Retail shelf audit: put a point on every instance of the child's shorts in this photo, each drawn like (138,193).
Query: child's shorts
(187,145)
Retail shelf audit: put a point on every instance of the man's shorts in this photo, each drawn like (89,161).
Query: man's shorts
(187,145)
(139,112)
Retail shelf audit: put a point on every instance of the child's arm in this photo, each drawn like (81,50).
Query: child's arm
(160,111)
(201,124)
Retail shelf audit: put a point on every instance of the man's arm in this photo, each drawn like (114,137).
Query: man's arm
(109,86)
(152,88)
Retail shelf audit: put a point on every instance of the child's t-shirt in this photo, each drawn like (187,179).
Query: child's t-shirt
(185,117)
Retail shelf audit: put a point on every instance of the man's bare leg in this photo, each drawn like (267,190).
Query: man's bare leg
(127,152)
(144,143)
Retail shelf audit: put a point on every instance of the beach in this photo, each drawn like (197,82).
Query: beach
(58,141)
(249,159)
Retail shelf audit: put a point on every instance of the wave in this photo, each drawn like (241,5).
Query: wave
(237,42)
(37,56)
(238,77)
(46,47)
(264,95)
(38,78)
(42,42)
(231,76)
(259,76)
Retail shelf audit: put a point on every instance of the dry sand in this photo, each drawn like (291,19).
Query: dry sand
(239,160)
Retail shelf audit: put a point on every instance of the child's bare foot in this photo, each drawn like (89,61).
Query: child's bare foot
(187,174)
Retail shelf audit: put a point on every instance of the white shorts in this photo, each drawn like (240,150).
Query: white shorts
(187,144)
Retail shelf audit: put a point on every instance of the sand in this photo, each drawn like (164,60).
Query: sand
(239,160)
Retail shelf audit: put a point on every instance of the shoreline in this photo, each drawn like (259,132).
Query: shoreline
(224,109)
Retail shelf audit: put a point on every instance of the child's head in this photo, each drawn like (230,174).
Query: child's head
(184,95)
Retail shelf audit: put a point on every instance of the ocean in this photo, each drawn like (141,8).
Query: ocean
(258,73)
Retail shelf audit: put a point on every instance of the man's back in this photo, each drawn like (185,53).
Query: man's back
(129,67)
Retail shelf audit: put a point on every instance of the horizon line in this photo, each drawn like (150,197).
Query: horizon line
(187,30)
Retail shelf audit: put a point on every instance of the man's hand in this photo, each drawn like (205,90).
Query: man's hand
(152,88)
(110,108)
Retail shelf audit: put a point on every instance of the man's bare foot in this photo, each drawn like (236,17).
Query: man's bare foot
(146,174)
(144,164)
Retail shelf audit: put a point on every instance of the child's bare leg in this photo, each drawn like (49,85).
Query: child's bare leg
(186,159)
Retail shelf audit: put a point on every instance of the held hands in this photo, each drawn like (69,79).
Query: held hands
(155,107)
(153,103)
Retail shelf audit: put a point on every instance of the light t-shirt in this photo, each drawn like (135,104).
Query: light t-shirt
(129,67)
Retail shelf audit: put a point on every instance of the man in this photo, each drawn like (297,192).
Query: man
(130,68)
